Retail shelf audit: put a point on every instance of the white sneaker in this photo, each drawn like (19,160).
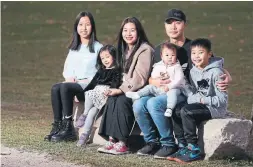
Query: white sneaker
(132,95)
(168,113)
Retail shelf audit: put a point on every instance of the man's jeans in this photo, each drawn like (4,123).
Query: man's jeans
(149,114)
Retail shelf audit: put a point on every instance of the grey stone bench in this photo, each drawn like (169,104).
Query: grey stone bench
(218,138)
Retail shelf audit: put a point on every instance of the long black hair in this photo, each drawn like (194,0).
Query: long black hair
(112,50)
(122,45)
(76,41)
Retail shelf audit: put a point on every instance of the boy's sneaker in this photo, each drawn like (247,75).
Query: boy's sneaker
(180,151)
(132,95)
(148,149)
(107,147)
(81,120)
(168,113)
(82,140)
(165,151)
(193,154)
(119,149)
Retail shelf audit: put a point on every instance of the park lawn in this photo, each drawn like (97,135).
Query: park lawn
(34,40)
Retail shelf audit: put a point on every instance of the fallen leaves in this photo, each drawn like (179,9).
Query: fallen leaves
(211,35)
(50,21)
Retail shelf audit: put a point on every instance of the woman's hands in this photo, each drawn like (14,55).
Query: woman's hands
(74,80)
(71,79)
(112,92)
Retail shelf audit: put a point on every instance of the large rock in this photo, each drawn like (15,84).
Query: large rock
(226,138)
(249,149)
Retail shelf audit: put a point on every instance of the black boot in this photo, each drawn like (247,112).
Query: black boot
(56,127)
(67,133)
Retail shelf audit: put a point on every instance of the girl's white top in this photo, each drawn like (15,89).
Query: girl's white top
(80,64)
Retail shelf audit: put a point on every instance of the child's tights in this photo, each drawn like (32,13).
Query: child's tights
(90,111)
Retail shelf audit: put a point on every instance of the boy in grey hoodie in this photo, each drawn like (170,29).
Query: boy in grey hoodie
(205,102)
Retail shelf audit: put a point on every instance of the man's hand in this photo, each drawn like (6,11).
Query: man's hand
(223,85)
(158,82)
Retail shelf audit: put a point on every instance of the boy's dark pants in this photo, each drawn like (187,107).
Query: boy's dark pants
(186,118)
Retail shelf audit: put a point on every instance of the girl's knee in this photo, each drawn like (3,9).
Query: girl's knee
(64,87)
(55,87)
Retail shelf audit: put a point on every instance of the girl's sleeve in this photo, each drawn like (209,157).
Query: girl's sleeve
(93,82)
(68,70)
(117,78)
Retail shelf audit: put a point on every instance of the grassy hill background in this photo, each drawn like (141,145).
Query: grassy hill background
(33,50)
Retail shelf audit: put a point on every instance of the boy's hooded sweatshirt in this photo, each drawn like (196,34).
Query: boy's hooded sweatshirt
(204,82)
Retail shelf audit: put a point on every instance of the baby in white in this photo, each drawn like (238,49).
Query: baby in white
(170,68)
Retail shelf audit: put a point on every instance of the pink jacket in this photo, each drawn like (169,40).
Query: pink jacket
(174,72)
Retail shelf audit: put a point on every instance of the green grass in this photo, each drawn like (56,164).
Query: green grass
(34,40)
